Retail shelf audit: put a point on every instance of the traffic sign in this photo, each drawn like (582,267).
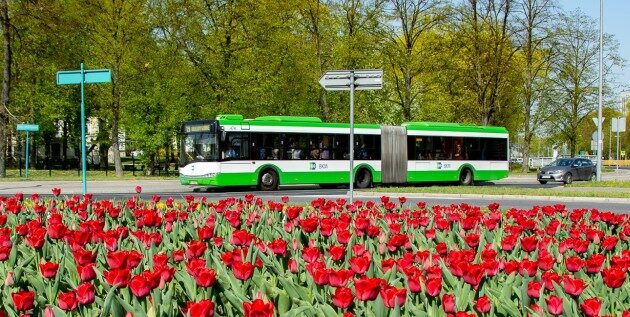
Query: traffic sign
(595,120)
(619,124)
(351,80)
(92,76)
(27,127)
(81,77)
(364,79)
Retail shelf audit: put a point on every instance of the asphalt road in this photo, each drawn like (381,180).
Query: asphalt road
(300,194)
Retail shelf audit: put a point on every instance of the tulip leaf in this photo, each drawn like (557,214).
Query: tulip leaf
(298,311)
(58,311)
(327,310)
(108,301)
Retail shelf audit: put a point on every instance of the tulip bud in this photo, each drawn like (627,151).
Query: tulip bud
(10,279)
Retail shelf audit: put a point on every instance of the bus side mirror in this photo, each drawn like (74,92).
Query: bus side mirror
(223,135)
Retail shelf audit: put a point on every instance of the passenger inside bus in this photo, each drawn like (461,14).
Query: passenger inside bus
(324,153)
(230,153)
(296,153)
(314,152)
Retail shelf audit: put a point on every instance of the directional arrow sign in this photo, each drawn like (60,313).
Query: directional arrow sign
(92,76)
(364,79)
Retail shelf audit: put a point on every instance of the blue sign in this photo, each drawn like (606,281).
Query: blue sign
(91,76)
(28,127)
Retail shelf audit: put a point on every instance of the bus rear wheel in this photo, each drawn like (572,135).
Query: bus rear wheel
(268,180)
(466,177)
(363,178)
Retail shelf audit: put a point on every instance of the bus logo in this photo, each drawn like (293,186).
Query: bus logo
(313,166)
(439,165)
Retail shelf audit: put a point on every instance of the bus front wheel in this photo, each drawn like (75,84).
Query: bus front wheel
(363,179)
(268,180)
(466,177)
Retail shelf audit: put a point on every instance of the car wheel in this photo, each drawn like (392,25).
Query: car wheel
(543,182)
(593,177)
(568,178)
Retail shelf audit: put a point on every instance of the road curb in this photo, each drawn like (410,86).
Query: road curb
(501,197)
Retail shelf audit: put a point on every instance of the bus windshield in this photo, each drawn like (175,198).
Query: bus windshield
(201,147)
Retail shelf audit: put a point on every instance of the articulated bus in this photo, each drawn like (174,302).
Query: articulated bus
(279,150)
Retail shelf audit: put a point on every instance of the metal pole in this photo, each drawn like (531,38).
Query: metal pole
(601,83)
(351,137)
(27,139)
(610,142)
(618,119)
(83,154)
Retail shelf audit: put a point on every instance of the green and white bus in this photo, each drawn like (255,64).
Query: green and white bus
(279,150)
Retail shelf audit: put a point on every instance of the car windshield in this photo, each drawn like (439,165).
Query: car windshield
(561,162)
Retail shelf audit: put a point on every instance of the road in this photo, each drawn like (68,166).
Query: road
(300,194)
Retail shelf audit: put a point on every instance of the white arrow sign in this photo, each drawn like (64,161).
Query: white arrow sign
(364,79)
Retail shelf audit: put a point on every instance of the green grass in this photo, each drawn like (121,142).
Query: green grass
(71,175)
(501,190)
(617,184)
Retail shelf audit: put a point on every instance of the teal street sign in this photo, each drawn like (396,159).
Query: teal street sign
(28,127)
(81,77)
(92,76)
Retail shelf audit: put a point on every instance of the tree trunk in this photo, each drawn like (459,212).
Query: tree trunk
(116,117)
(6,84)
(527,141)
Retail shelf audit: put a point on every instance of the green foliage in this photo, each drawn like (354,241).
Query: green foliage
(179,60)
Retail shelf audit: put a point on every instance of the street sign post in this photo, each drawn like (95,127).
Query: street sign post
(618,125)
(82,77)
(26,127)
(599,143)
(342,80)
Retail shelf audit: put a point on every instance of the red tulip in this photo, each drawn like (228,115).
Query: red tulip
(49,269)
(86,272)
(594,263)
(483,304)
(574,264)
(342,297)
(203,308)
(311,254)
(613,277)
(138,189)
(117,277)
(573,286)
(67,301)
(609,243)
(258,308)
(554,305)
(533,289)
(529,243)
(393,296)
(23,300)
(56,191)
(139,286)
(242,270)
(434,287)
(473,275)
(205,277)
(292,265)
(340,278)
(86,293)
(359,264)
(195,249)
(319,274)
(367,288)
(448,303)
(591,307)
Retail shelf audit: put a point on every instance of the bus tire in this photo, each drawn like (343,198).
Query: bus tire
(268,180)
(466,177)
(363,178)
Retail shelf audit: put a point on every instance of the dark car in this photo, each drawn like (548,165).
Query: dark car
(567,170)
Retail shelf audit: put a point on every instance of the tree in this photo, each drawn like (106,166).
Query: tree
(534,39)
(6,82)
(575,74)
(407,60)
(486,36)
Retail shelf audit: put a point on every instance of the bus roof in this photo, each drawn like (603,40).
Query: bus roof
(292,121)
(297,121)
(448,126)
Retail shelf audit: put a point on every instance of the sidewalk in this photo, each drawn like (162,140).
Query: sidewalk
(496,197)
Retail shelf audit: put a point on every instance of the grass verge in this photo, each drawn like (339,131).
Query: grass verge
(499,190)
(617,184)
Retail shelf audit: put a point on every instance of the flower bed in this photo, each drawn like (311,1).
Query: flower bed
(248,257)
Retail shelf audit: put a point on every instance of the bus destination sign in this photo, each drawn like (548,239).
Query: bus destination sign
(201,127)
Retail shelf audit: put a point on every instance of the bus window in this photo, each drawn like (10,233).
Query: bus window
(324,147)
(341,147)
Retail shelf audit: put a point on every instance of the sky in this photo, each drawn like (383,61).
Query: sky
(616,16)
